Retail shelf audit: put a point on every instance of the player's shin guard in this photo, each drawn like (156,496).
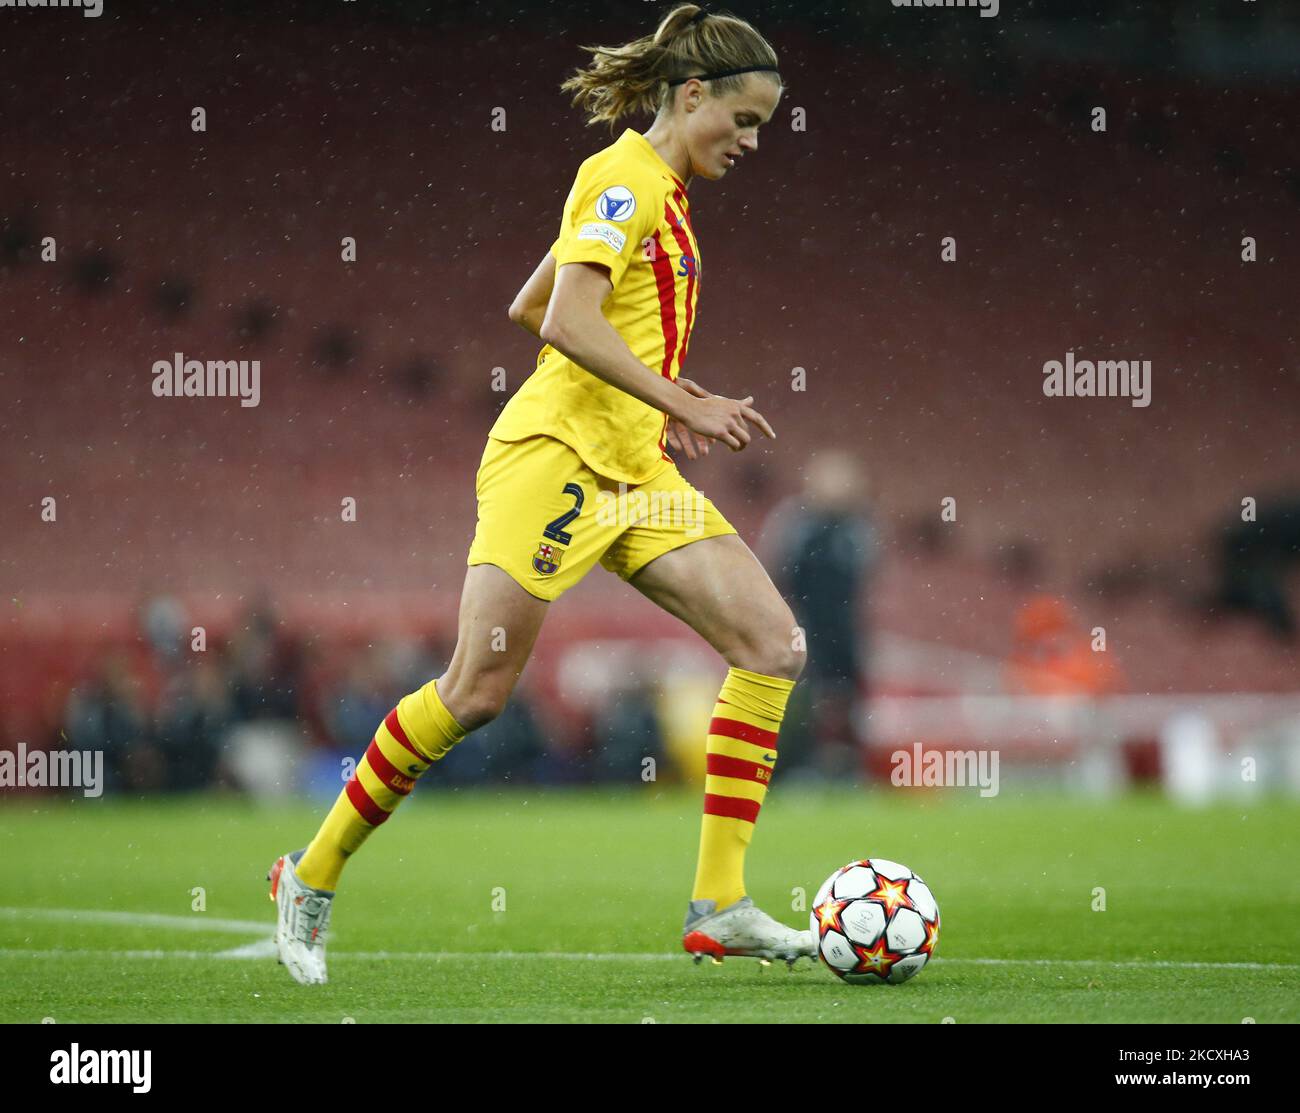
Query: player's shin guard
(416,733)
(741,755)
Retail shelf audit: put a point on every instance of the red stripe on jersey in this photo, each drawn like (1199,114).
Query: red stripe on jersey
(732,807)
(663,268)
(371,812)
(684,243)
(392,777)
(734,728)
(720,765)
(679,195)
(395,729)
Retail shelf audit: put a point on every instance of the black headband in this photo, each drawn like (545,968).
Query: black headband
(721,73)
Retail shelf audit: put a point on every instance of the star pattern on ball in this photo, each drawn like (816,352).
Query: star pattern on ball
(892,894)
(877,959)
(828,915)
(931,937)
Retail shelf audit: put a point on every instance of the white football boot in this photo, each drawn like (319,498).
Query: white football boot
(742,929)
(302,921)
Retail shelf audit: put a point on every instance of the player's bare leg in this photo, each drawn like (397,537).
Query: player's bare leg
(718,587)
(498,625)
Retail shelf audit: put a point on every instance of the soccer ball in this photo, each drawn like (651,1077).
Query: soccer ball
(875,921)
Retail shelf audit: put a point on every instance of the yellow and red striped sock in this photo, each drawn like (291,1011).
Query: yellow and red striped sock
(416,733)
(741,752)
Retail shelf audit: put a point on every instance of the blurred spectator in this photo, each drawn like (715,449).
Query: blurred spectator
(367,695)
(264,747)
(108,715)
(628,730)
(194,715)
(166,626)
(1254,560)
(820,548)
(264,673)
(1053,656)
(233,717)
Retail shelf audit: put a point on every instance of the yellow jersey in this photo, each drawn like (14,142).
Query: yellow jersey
(628,212)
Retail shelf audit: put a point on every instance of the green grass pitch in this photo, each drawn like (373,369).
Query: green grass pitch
(1200,922)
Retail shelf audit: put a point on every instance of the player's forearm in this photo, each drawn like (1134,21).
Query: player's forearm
(596,346)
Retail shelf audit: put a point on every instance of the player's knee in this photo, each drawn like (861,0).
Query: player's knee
(480,711)
(476,704)
(789,648)
(789,662)
(798,663)
(780,653)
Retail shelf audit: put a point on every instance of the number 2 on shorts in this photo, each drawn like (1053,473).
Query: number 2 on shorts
(555,528)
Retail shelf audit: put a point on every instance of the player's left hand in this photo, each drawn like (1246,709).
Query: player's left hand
(679,436)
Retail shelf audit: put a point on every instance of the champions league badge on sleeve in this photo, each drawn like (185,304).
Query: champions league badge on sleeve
(616,203)
(547,559)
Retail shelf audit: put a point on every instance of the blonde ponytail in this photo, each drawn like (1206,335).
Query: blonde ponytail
(689,41)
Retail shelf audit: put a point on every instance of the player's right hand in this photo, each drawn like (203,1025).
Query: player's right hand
(724,419)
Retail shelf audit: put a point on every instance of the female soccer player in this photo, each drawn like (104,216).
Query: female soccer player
(576,471)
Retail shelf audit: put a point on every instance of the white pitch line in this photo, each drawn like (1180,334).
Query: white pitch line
(1144,964)
(85,952)
(197,921)
(261,948)
(265,948)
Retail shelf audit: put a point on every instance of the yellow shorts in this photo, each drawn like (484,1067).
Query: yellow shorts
(546,518)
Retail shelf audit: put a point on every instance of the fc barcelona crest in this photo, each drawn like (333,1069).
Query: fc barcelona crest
(547,559)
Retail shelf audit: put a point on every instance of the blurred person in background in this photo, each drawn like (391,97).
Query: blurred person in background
(1255,559)
(194,715)
(1052,655)
(166,626)
(264,669)
(364,696)
(267,740)
(822,547)
(629,732)
(110,714)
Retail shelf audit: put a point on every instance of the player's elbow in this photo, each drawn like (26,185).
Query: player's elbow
(518,313)
(553,331)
